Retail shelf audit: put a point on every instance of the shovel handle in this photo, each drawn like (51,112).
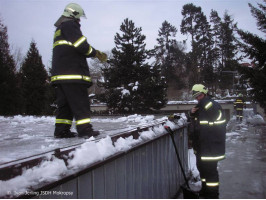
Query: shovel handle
(171,133)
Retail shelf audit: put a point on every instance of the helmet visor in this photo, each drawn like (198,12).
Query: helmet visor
(83,15)
(195,94)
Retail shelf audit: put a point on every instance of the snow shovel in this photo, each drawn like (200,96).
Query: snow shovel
(187,192)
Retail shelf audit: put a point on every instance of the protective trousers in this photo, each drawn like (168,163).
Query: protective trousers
(239,114)
(209,178)
(72,102)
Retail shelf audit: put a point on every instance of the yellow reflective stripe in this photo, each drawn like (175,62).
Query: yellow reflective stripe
(220,122)
(208,106)
(203,180)
(89,52)
(212,123)
(86,78)
(239,109)
(62,42)
(83,121)
(79,41)
(220,115)
(57,33)
(70,77)
(212,184)
(63,121)
(207,158)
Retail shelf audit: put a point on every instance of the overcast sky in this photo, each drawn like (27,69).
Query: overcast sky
(34,19)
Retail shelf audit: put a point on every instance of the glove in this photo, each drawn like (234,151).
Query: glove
(101,56)
(174,118)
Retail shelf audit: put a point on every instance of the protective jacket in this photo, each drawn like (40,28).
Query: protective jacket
(208,136)
(70,50)
(239,103)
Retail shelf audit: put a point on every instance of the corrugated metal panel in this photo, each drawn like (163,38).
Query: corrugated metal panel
(85,186)
(110,180)
(148,171)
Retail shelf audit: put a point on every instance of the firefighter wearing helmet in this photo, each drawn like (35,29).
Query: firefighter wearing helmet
(70,74)
(208,139)
(239,105)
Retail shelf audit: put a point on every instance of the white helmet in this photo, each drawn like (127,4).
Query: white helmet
(74,10)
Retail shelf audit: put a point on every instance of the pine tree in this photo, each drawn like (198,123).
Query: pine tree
(215,22)
(202,56)
(34,83)
(255,49)
(8,81)
(170,56)
(131,84)
(204,49)
(190,25)
(228,51)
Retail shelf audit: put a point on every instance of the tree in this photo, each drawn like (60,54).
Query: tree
(192,15)
(34,83)
(169,54)
(9,104)
(202,56)
(204,49)
(254,48)
(215,23)
(228,51)
(131,84)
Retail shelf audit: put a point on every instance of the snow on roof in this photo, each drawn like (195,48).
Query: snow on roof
(53,169)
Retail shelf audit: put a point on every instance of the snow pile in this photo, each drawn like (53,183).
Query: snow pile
(19,119)
(256,120)
(124,144)
(128,119)
(229,134)
(88,153)
(196,102)
(91,152)
(46,171)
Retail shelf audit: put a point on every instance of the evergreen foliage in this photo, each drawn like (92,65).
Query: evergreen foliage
(169,54)
(9,101)
(131,84)
(213,47)
(34,83)
(189,25)
(255,49)
(228,51)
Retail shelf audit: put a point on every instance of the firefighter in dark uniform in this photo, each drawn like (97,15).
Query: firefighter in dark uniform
(239,105)
(70,74)
(208,139)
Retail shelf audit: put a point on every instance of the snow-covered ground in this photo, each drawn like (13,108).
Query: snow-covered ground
(23,136)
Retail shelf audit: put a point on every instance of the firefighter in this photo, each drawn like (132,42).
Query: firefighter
(70,74)
(208,139)
(239,104)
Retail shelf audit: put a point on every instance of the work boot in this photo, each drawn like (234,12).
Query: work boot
(65,134)
(202,192)
(211,193)
(86,131)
